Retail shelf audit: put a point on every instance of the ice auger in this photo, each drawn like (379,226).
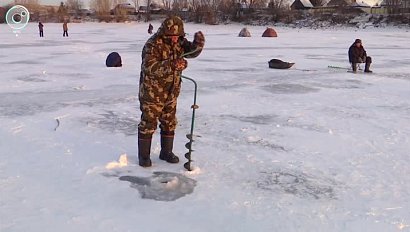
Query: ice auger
(190,136)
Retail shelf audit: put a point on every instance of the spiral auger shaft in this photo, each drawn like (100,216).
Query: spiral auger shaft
(190,136)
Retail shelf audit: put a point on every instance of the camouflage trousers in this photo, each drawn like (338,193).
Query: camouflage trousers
(158,102)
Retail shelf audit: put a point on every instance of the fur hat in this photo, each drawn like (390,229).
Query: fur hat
(173,25)
(358,41)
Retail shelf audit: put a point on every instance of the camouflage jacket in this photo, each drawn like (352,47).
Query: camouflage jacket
(159,55)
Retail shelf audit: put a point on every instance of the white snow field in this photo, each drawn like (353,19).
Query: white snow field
(311,148)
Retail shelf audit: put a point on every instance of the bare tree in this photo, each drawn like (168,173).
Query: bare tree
(121,11)
(257,3)
(116,2)
(227,7)
(101,6)
(136,4)
(148,13)
(194,7)
(26,2)
(393,6)
(278,9)
(74,5)
(51,13)
(177,5)
(166,4)
(209,10)
(102,9)
(62,12)
(62,9)
(277,4)
(31,5)
(204,10)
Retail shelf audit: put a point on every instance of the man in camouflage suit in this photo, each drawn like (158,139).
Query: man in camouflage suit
(160,83)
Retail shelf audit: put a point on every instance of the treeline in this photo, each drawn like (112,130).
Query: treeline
(200,11)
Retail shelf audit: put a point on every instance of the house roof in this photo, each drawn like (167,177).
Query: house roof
(339,3)
(301,4)
(383,3)
(306,3)
(360,4)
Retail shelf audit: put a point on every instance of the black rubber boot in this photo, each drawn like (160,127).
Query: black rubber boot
(144,150)
(367,66)
(167,144)
(354,67)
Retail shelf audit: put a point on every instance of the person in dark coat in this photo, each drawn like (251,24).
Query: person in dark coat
(40,28)
(65,29)
(163,60)
(150,28)
(358,55)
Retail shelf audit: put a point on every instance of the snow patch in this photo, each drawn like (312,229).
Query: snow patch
(194,171)
(122,162)
(254,139)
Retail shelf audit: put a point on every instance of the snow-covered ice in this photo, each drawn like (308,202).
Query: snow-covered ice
(311,148)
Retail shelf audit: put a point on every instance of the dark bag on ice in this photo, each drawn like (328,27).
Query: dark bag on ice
(279,64)
(113,60)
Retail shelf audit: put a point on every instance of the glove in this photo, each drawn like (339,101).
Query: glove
(360,60)
(199,39)
(180,64)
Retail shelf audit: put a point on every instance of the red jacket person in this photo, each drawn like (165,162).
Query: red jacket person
(160,83)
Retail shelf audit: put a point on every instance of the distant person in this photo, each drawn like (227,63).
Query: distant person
(358,55)
(160,83)
(40,28)
(150,28)
(65,29)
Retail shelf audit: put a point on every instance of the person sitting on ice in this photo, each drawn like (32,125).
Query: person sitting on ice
(358,55)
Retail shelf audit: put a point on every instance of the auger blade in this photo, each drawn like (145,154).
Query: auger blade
(190,137)
(188,145)
(187,166)
(188,156)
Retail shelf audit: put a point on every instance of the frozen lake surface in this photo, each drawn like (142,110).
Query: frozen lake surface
(311,148)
